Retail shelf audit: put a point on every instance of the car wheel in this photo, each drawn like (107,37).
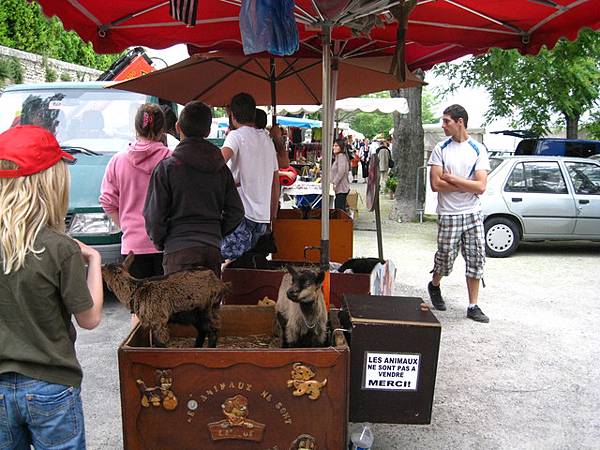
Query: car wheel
(501,237)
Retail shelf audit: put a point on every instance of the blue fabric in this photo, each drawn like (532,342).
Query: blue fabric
(268,25)
(46,415)
(242,239)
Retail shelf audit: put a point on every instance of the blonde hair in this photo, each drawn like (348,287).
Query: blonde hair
(29,204)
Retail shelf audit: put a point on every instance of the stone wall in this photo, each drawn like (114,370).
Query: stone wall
(35,67)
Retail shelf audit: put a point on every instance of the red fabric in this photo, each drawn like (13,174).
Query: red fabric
(438,30)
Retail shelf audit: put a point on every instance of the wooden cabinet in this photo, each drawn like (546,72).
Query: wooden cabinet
(234,399)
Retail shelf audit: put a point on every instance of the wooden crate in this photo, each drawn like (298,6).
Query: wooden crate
(234,399)
(395,347)
(293,234)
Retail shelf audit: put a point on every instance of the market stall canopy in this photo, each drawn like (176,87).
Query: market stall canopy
(384,105)
(223,122)
(437,31)
(215,77)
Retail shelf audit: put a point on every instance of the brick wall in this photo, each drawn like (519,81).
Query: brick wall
(34,67)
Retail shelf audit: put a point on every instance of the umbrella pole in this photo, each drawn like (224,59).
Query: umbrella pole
(273,81)
(326,145)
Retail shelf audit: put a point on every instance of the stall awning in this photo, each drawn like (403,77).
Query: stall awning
(384,105)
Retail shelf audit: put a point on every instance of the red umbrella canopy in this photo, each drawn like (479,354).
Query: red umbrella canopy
(438,30)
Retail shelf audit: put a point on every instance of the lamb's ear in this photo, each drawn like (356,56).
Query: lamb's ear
(320,277)
(128,261)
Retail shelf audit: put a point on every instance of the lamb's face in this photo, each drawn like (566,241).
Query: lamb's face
(305,286)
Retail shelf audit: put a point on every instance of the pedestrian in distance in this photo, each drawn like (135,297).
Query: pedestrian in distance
(192,202)
(459,167)
(339,173)
(43,283)
(124,187)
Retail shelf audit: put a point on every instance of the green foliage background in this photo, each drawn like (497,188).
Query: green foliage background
(372,124)
(532,90)
(23,26)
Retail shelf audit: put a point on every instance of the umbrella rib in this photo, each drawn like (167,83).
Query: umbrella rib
(314,3)
(358,49)
(83,10)
(241,68)
(175,24)
(290,70)
(103,28)
(370,51)
(554,15)
(459,27)
(487,17)
(437,52)
(377,8)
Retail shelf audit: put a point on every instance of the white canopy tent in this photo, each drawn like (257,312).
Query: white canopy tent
(368,104)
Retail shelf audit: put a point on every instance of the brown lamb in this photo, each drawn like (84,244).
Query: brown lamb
(190,297)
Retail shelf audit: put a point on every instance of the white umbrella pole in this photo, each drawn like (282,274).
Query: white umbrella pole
(326,144)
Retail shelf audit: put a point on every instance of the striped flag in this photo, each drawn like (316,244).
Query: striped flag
(184,11)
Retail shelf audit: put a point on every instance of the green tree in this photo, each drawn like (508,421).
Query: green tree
(23,26)
(532,90)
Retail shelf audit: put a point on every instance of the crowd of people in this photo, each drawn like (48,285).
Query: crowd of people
(198,205)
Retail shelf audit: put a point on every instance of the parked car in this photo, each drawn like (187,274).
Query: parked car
(93,123)
(537,198)
(558,147)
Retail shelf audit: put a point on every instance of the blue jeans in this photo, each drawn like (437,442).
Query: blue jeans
(45,415)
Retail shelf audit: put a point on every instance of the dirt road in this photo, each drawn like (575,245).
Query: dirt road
(526,380)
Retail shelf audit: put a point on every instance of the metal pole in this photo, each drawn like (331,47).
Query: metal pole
(326,143)
(378,226)
(273,81)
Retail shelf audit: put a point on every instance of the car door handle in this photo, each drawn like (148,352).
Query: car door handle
(583,202)
(517,199)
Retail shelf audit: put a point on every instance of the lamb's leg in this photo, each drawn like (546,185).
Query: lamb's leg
(201,328)
(214,325)
(281,321)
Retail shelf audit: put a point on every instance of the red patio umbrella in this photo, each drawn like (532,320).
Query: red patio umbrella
(438,30)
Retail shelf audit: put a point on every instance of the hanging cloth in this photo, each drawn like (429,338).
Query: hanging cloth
(268,26)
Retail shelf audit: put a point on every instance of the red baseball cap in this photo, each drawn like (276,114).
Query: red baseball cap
(32,148)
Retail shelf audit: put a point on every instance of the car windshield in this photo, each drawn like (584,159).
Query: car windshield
(101,120)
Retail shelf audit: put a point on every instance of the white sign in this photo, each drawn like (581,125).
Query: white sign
(391,371)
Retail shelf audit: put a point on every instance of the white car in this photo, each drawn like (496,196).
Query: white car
(537,198)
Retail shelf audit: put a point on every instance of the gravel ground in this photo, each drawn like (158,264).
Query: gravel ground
(526,380)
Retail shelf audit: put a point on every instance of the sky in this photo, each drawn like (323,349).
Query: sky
(475,101)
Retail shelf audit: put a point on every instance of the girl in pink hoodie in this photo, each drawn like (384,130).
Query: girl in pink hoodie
(124,189)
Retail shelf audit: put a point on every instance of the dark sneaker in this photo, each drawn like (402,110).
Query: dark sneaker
(477,315)
(435,294)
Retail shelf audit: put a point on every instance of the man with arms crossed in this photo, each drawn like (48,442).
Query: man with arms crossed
(459,167)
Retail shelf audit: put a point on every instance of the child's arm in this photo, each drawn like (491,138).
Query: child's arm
(90,318)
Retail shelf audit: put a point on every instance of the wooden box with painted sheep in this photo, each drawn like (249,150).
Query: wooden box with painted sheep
(232,397)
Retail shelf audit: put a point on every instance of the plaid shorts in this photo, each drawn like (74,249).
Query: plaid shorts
(243,238)
(464,231)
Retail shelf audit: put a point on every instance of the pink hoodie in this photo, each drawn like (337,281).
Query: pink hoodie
(124,189)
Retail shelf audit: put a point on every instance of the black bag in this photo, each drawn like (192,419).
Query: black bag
(391,162)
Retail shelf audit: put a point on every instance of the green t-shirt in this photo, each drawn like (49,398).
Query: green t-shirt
(37,337)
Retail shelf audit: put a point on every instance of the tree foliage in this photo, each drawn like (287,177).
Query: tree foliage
(372,124)
(532,90)
(23,26)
